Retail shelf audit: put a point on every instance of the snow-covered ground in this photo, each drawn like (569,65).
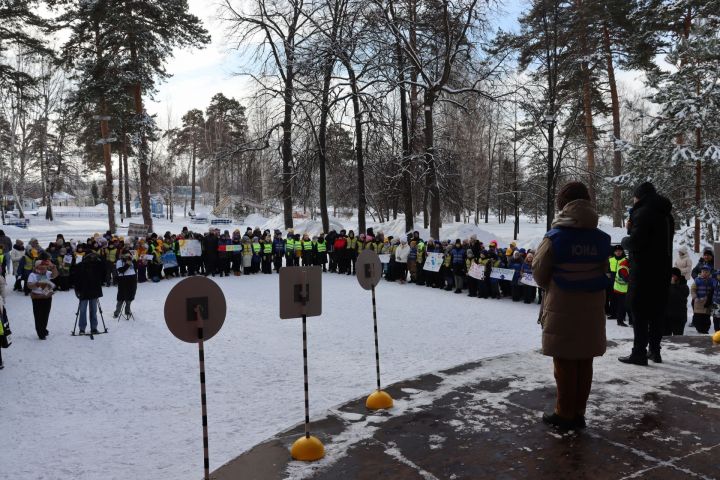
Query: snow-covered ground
(127,405)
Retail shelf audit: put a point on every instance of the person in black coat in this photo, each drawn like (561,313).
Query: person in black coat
(650,244)
(89,276)
(127,283)
(211,253)
(676,313)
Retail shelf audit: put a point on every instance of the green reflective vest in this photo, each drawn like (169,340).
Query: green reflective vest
(621,285)
(289,244)
(614,264)
(321,246)
(256,248)
(267,247)
(307,245)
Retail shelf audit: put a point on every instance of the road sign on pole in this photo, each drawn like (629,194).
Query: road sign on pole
(301,297)
(368,269)
(194,312)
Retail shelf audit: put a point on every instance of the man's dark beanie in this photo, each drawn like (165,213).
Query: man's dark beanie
(643,190)
(572,191)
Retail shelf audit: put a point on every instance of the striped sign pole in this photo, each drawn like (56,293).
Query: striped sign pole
(377,348)
(305,370)
(203,397)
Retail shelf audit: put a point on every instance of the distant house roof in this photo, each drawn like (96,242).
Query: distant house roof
(61,196)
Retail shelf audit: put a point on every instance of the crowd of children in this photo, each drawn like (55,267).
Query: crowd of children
(465,265)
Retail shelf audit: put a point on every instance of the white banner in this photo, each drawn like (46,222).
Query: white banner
(190,248)
(528,279)
(502,273)
(433,262)
(477,271)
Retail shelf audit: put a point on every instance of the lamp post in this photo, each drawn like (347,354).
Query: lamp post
(549,122)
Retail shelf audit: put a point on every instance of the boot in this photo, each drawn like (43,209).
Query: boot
(654,356)
(634,360)
(622,323)
(556,421)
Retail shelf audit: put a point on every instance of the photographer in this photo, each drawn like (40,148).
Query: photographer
(127,283)
(89,276)
(41,288)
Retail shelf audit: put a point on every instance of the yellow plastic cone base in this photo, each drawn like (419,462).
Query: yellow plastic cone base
(379,400)
(307,449)
(716,337)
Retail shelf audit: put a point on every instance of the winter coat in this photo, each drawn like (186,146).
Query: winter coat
(458,255)
(127,281)
(573,321)
(702,292)
(16,256)
(401,253)
(698,268)
(89,277)
(677,300)
(683,262)
(6,243)
(650,243)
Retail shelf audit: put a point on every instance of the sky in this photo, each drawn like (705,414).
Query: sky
(198,74)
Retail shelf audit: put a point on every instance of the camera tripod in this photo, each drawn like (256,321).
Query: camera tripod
(102,318)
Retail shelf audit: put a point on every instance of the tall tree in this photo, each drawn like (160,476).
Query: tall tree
(445,28)
(145,34)
(190,139)
(279,25)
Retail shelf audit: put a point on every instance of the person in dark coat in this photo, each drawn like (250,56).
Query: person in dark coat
(211,253)
(676,312)
(649,245)
(89,276)
(127,283)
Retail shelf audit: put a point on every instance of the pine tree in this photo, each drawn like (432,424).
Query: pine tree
(144,35)
(190,139)
(685,135)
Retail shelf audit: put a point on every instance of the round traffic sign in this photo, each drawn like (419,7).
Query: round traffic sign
(183,302)
(368,269)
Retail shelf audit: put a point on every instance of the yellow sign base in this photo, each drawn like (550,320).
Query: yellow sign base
(307,449)
(379,400)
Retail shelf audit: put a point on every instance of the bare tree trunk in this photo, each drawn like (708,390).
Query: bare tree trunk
(287,148)
(617,156)
(359,147)
(120,185)
(128,211)
(406,154)
(587,110)
(108,190)
(142,149)
(698,191)
(194,165)
(432,180)
(322,138)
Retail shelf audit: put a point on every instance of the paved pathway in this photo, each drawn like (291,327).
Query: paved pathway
(482,420)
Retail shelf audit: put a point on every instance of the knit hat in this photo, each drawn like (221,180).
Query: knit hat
(643,190)
(571,191)
(676,271)
(706,267)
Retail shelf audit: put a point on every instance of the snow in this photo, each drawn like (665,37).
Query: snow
(126,405)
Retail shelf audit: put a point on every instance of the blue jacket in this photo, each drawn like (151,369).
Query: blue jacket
(576,253)
(279,246)
(704,287)
(458,256)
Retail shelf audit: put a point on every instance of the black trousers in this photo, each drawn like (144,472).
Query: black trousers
(619,303)
(41,312)
(648,318)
